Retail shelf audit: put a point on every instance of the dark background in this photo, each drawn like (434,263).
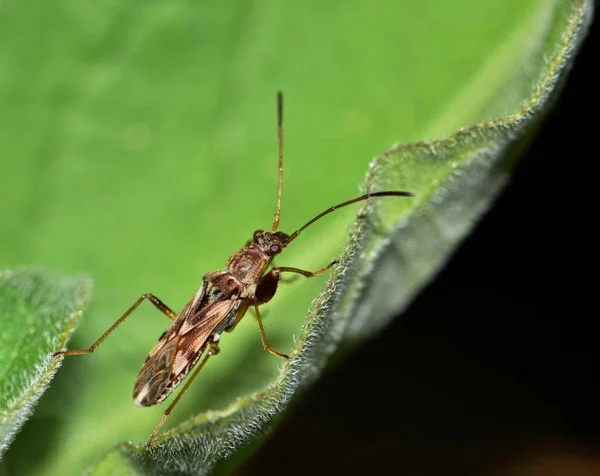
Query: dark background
(494,368)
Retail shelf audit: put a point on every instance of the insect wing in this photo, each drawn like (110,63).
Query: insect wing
(179,349)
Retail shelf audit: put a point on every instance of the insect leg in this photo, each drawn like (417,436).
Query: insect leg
(264,313)
(213,350)
(308,274)
(151,297)
(291,279)
(263,335)
(267,286)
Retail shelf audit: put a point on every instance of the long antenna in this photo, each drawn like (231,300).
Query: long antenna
(280,143)
(294,235)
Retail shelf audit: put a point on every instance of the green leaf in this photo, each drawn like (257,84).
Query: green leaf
(149,127)
(38,312)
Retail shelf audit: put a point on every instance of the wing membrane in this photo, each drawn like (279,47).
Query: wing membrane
(180,347)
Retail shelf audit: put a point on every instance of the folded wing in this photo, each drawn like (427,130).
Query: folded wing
(180,347)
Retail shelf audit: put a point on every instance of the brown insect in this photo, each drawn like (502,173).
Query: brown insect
(218,305)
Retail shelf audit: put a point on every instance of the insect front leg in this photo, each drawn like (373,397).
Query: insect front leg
(213,349)
(308,274)
(283,279)
(161,306)
(268,284)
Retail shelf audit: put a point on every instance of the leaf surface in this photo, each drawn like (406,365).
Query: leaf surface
(38,311)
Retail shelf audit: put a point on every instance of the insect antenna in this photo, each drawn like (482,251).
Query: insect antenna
(344,204)
(280,145)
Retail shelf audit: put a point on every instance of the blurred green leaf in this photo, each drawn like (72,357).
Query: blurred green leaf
(38,311)
(150,129)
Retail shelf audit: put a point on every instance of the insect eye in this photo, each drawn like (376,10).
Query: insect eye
(275,248)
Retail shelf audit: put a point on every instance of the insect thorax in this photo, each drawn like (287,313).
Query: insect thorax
(248,264)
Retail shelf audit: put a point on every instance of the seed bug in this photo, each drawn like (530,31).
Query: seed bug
(218,305)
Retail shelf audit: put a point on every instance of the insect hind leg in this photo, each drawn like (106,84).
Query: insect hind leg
(213,350)
(161,306)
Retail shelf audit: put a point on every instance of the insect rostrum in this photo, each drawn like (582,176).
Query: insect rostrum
(218,306)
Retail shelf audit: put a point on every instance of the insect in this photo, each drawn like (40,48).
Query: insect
(218,305)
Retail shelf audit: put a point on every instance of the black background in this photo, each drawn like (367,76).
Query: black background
(494,368)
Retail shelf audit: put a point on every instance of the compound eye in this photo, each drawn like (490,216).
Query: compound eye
(275,248)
